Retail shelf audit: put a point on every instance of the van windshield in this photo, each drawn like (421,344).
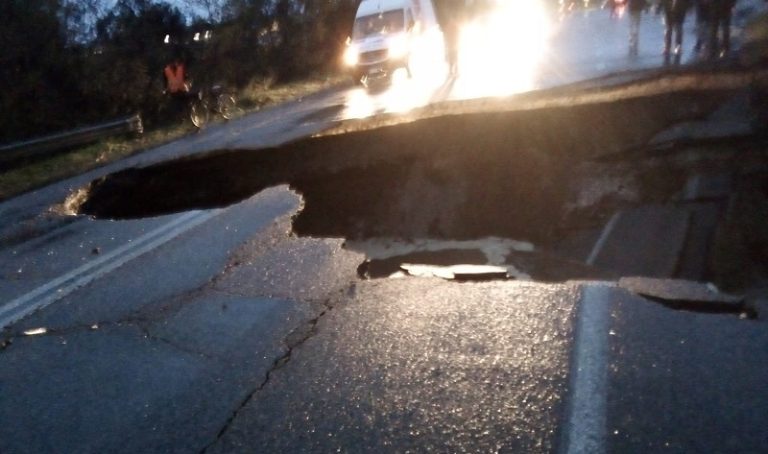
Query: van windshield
(384,23)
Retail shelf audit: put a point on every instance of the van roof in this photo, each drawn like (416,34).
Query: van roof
(369,7)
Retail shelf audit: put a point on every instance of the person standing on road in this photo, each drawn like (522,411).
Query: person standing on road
(674,17)
(703,19)
(635,8)
(720,15)
(451,35)
(452,14)
(613,5)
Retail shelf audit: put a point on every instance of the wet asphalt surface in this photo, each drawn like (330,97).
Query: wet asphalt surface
(420,365)
(224,332)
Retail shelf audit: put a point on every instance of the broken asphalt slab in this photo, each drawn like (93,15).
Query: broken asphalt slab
(154,280)
(420,364)
(677,290)
(685,295)
(684,381)
(171,378)
(644,241)
(734,119)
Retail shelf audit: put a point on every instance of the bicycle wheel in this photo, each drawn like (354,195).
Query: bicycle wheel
(227,106)
(198,113)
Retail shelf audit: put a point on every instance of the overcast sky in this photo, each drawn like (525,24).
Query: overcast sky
(178,3)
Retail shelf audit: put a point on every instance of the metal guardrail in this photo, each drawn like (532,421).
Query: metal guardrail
(80,136)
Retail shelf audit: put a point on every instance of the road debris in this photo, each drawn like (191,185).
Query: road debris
(35,331)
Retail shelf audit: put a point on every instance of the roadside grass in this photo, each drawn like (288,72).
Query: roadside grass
(258,94)
(38,172)
(264,92)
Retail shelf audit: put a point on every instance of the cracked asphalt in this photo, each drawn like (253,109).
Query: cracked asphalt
(178,354)
(420,365)
(205,360)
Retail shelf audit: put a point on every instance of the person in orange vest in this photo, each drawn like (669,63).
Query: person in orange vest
(175,77)
(176,85)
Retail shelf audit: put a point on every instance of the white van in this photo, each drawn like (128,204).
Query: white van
(390,34)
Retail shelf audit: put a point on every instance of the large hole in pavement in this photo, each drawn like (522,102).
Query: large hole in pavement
(463,174)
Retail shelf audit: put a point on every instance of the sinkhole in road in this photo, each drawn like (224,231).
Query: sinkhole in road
(455,172)
(456,175)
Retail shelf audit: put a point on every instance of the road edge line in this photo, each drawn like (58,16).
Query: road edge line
(586,422)
(598,247)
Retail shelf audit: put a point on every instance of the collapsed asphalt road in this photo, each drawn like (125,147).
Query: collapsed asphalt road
(520,168)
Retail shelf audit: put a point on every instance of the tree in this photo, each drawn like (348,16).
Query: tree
(78,19)
(33,68)
(125,69)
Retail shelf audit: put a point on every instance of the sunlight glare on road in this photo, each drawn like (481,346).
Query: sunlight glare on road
(500,51)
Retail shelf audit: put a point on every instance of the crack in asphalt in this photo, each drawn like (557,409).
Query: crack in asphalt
(156,338)
(146,314)
(139,323)
(8,340)
(292,341)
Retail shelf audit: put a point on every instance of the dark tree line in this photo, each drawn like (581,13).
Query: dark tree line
(66,63)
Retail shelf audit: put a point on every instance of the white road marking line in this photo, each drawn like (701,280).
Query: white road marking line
(586,427)
(68,283)
(94,263)
(603,237)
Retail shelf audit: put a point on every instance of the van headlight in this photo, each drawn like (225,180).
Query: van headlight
(351,55)
(398,47)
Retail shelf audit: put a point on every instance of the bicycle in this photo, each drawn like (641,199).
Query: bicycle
(215,100)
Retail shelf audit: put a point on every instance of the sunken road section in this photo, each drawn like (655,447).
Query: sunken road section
(457,170)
